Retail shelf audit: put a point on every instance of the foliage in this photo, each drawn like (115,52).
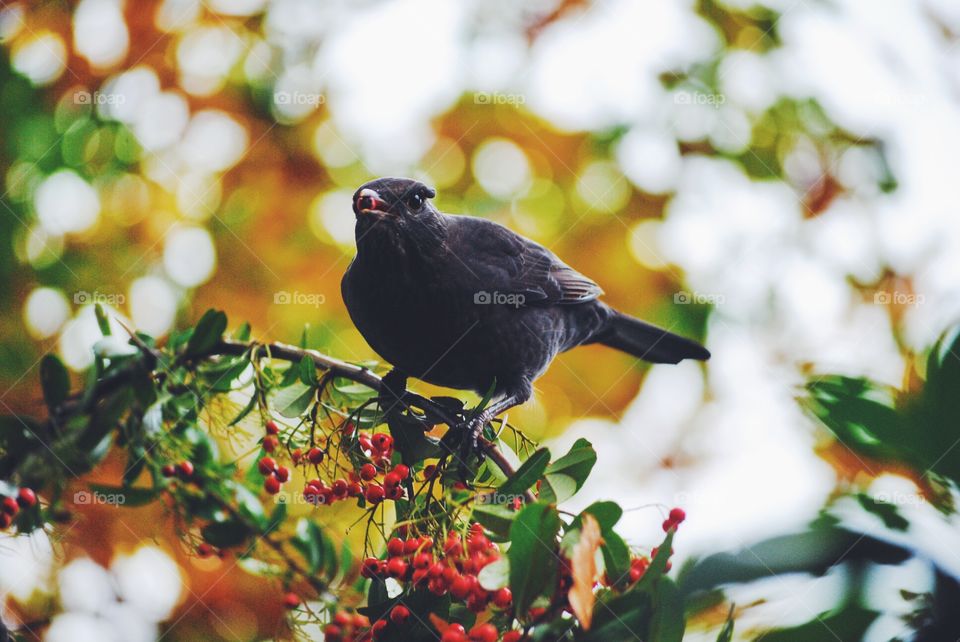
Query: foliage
(432,560)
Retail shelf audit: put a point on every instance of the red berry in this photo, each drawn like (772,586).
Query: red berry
(271,485)
(478,543)
(348,428)
(283,473)
(392,479)
(266,465)
(342,618)
(270,443)
(296,456)
(378,628)
(677,515)
(185,469)
(204,549)
(339,488)
(272,427)
(423,560)
(395,547)
(399,614)
(169,470)
(667,525)
(436,570)
(370,567)
(27,498)
(360,621)
(382,441)
(454,634)
(461,587)
(402,470)
(354,489)
(394,492)
(396,567)
(367,472)
(332,633)
(10,506)
(5,521)
(437,586)
(291,600)
(315,455)
(485,632)
(512,636)
(374,493)
(503,598)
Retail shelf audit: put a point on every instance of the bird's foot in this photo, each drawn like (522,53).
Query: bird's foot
(393,387)
(470,438)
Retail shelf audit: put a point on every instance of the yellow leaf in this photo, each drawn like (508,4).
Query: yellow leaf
(583,566)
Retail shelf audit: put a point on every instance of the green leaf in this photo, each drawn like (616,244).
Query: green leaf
(616,558)
(226,534)
(557,488)
(243,332)
(496,518)
(850,623)
(54,380)
(526,476)
(623,617)
(606,513)
(248,505)
(532,553)
(207,334)
(309,540)
(495,575)
(308,372)
(658,565)
(293,401)
(667,623)
(102,322)
(577,463)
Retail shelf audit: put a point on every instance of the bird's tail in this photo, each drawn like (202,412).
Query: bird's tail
(648,342)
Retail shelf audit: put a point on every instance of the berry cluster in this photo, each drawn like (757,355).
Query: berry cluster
(673,520)
(184,470)
(348,627)
(274,475)
(453,572)
(10,506)
(376,480)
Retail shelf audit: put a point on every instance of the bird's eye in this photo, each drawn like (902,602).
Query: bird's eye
(415,201)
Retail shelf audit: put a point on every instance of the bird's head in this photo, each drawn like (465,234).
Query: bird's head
(399,207)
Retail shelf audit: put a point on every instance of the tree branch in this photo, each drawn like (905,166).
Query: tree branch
(365,376)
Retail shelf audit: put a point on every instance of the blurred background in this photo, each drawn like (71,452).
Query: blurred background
(776,177)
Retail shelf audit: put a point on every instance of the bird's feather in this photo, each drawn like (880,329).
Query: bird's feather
(505,262)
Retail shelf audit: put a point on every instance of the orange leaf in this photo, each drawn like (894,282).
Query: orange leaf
(583,566)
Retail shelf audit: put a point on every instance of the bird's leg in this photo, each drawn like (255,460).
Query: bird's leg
(474,427)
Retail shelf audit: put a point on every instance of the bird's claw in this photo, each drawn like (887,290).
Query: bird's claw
(470,439)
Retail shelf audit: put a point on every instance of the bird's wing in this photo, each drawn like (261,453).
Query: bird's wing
(501,260)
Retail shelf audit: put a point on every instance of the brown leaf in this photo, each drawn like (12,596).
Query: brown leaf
(583,566)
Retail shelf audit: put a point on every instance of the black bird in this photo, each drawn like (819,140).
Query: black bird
(464,302)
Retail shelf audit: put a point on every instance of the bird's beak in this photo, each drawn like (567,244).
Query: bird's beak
(369,202)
